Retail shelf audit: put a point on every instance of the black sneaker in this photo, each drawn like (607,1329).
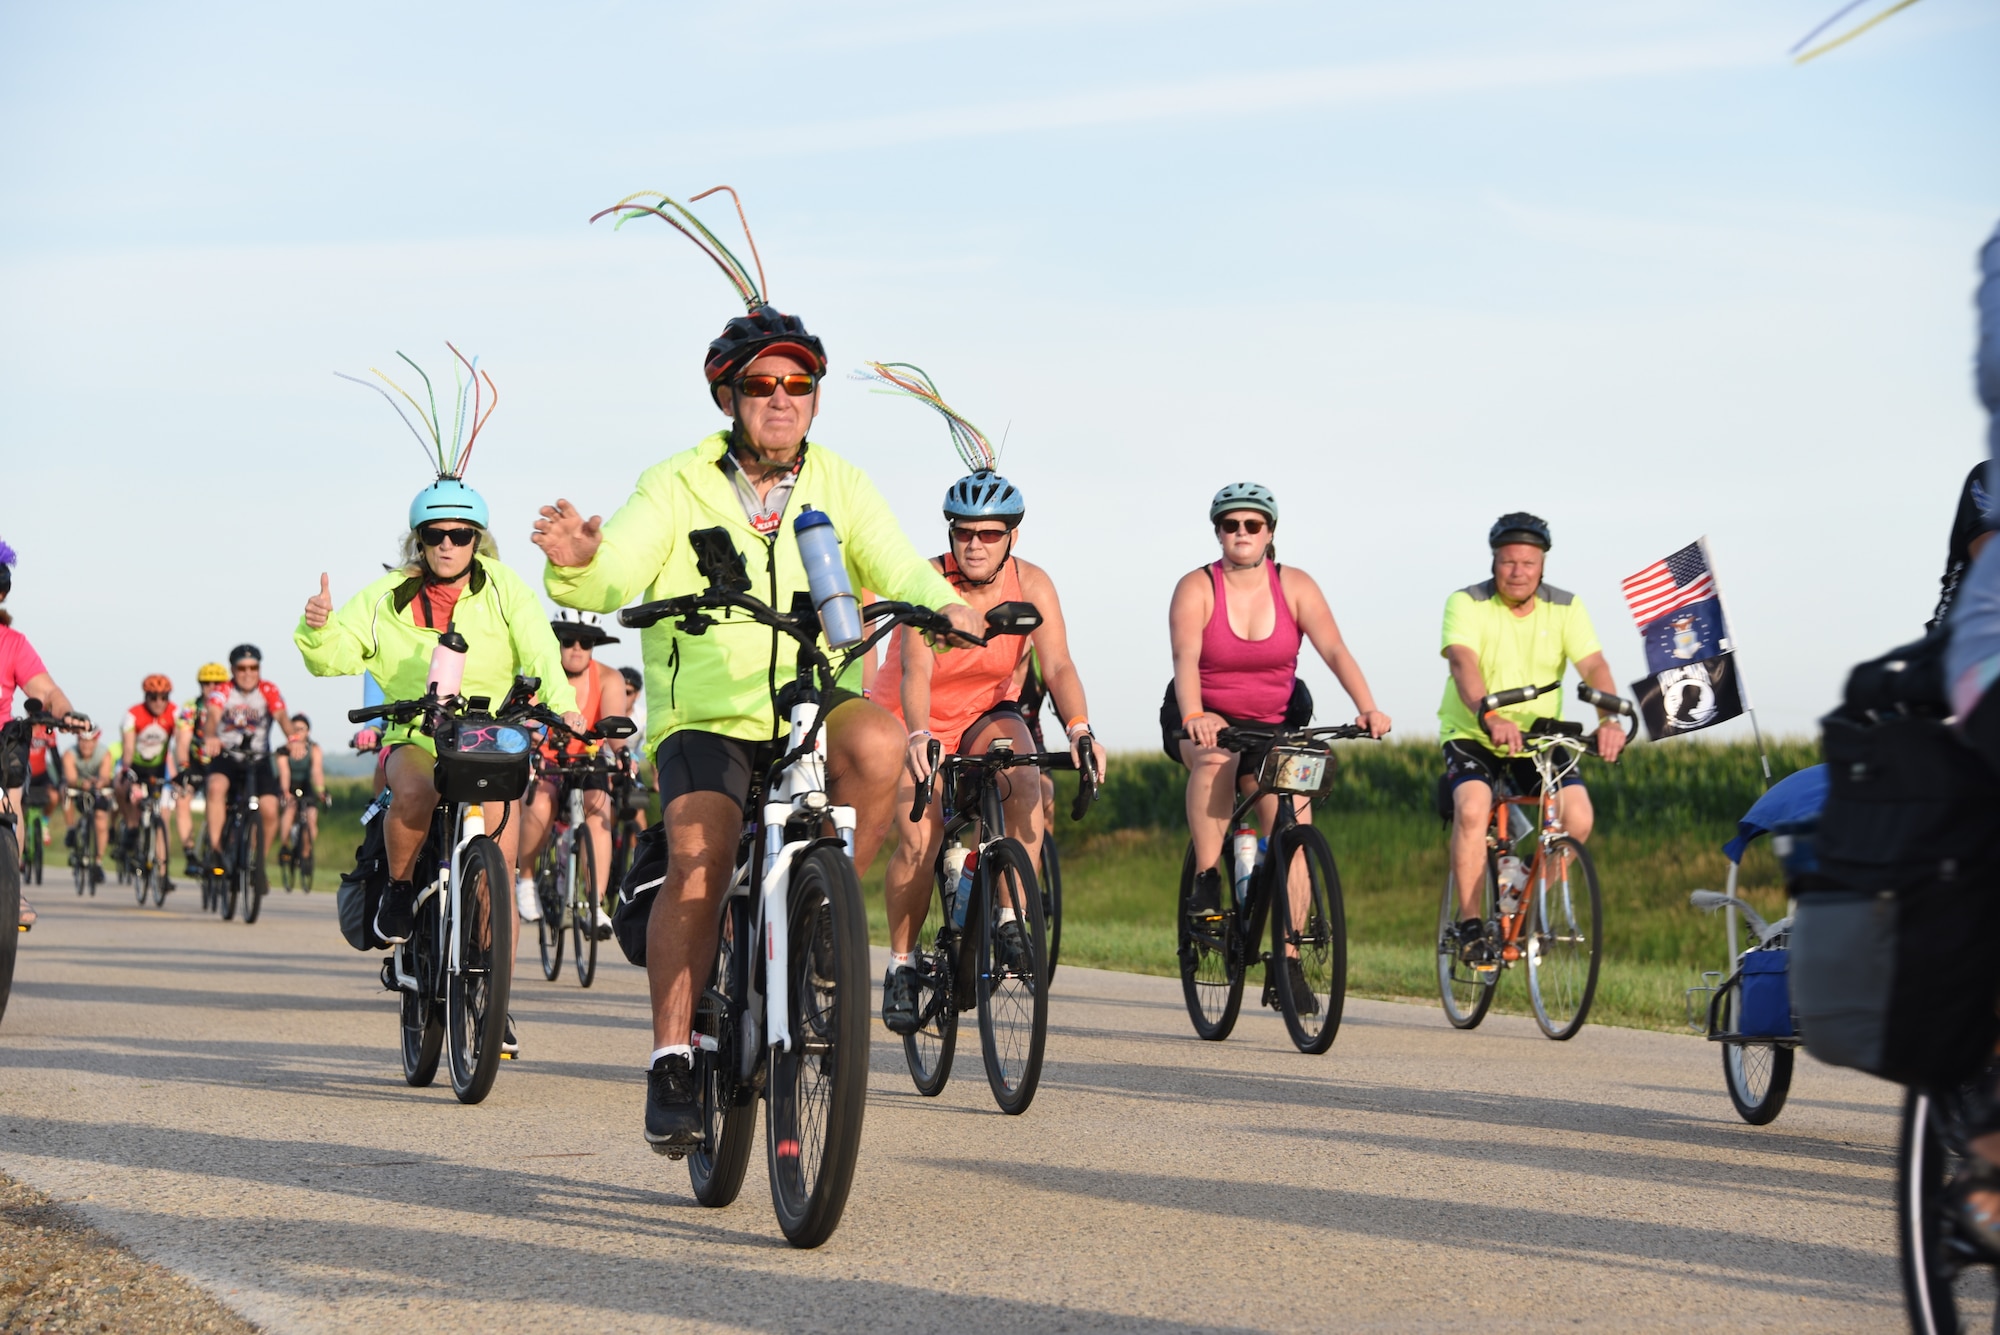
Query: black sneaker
(1010,943)
(899,1000)
(1472,946)
(510,1046)
(396,915)
(1205,900)
(192,869)
(673,1111)
(1302,993)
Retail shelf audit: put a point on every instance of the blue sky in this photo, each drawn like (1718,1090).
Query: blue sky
(1411,266)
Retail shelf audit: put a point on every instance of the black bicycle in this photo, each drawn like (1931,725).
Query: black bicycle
(962,961)
(1948,1278)
(295,855)
(241,880)
(566,868)
(1305,969)
(628,804)
(147,845)
(86,856)
(454,973)
(784,1016)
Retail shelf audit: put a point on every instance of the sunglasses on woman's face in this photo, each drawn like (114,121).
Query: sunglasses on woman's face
(1251,526)
(457,537)
(988,536)
(797,385)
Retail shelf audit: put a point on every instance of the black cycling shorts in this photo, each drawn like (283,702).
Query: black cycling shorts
(1469,762)
(1298,713)
(691,761)
(261,775)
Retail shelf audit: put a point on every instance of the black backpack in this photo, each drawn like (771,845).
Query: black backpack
(361,889)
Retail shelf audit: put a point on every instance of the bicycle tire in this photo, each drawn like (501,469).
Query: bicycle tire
(1211,965)
(41,827)
(79,862)
(1466,992)
(1758,1077)
(1568,943)
(1013,1002)
(306,873)
(226,885)
(10,912)
(1931,1257)
(728,1107)
(142,873)
(929,1051)
(420,1025)
(549,896)
(476,993)
(252,871)
(819,1086)
(1051,877)
(1312,1020)
(583,906)
(287,852)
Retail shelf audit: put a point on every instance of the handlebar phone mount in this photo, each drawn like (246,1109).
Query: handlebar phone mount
(717,560)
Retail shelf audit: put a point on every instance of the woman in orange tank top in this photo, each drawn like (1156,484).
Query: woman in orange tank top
(600,694)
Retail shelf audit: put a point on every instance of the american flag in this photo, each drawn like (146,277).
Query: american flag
(1661,587)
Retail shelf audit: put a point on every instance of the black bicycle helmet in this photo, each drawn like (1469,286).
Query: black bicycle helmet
(1519,526)
(635,680)
(747,337)
(243,651)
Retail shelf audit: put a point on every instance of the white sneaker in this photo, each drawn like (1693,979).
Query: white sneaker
(603,924)
(526,899)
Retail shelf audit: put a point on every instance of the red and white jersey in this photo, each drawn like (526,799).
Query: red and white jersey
(152,736)
(247,714)
(42,753)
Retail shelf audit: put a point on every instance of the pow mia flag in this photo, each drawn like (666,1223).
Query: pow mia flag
(1689,697)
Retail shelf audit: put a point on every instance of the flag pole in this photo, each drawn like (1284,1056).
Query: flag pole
(1763,755)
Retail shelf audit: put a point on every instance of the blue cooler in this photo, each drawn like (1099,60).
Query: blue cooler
(1765,1009)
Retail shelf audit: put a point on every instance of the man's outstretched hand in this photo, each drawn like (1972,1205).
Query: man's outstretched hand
(566,537)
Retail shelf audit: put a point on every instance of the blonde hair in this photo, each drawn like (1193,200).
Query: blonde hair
(413,551)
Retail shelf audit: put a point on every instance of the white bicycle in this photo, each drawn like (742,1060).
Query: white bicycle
(785,1016)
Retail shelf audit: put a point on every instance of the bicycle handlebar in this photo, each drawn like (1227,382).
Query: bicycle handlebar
(927,785)
(1617,704)
(1243,736)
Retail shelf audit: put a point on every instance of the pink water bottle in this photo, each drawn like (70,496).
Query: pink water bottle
(448,663)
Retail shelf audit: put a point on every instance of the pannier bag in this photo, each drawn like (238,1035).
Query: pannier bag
(361,889)
(1893,942)
(1764,1005)
(13,754)
(640,889)
(483,760)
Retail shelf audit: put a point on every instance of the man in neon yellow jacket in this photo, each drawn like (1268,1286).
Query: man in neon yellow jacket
(709,697)
(451,576)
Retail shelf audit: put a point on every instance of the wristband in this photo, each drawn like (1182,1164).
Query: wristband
(1189,718)
(1488,714)
(920,732)
(1078,722)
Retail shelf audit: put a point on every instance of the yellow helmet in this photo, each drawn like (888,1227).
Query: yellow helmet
(212,674)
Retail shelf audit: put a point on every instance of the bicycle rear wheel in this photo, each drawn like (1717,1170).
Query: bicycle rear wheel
(10,912)
(476,991)
(227,885)
(928,1052)
(1941,1290)
(1316,932)
(1051,878)
(141,862)
(306,872)
(1211,965)
(1013,992)
(250,873)
(1466,992)
(819,1086)
(553,897)
(728,1106)
(1568,939)
(583,905)
(33,857)
(422,1027)
(288,852)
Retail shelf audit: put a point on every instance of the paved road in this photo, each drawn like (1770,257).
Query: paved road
(227,1100)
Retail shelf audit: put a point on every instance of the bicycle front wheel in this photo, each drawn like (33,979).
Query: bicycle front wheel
(1568,939)
(728,1106)
(928,1052)
(1051,873)
(551,895)
(422,1027)
(10,912)
(1309,929)
(1211,964)
(143,853)
(1012,984)
(1466,992)
(1941,1292)
(583,905)
(819,1085)
(476,992)
(250,873)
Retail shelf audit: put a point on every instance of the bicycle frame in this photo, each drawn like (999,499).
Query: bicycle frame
(1553,757)
(460,824)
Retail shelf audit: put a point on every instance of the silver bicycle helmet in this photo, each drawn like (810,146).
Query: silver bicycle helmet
(1244,496)
(985,495)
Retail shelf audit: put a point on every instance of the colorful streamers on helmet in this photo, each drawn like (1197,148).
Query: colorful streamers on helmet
(691,227)
(913,382)
(7,557)
(1845,37)
(450,453)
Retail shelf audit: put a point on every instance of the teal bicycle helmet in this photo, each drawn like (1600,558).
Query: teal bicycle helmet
(985,495)
(448,498)
(1244,496)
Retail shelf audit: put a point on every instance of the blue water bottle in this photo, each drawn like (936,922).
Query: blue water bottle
(826,575)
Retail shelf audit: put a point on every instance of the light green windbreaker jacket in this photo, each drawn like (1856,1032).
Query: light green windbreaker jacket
(722,681)
(505,628)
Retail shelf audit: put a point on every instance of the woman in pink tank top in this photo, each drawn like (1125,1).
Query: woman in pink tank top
(1237,626)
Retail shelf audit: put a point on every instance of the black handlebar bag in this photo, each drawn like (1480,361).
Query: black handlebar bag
(481,759)
(1895,941)
(13,754)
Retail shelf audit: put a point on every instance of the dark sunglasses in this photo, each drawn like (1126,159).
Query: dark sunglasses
(1251,526)
(989,536)
(457,537)
(156,695)
(798,385)
(247,667)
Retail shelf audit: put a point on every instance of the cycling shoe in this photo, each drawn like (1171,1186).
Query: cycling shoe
(673,1108)
(899,1000)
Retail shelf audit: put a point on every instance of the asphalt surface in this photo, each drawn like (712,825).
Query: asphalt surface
(227,1100)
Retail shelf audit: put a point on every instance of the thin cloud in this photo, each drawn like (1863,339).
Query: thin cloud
(1265,93)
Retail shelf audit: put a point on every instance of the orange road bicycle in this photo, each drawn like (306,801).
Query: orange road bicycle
(1539,900)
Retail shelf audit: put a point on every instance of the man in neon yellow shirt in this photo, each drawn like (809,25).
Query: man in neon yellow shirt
(710,718)
(1510,631)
